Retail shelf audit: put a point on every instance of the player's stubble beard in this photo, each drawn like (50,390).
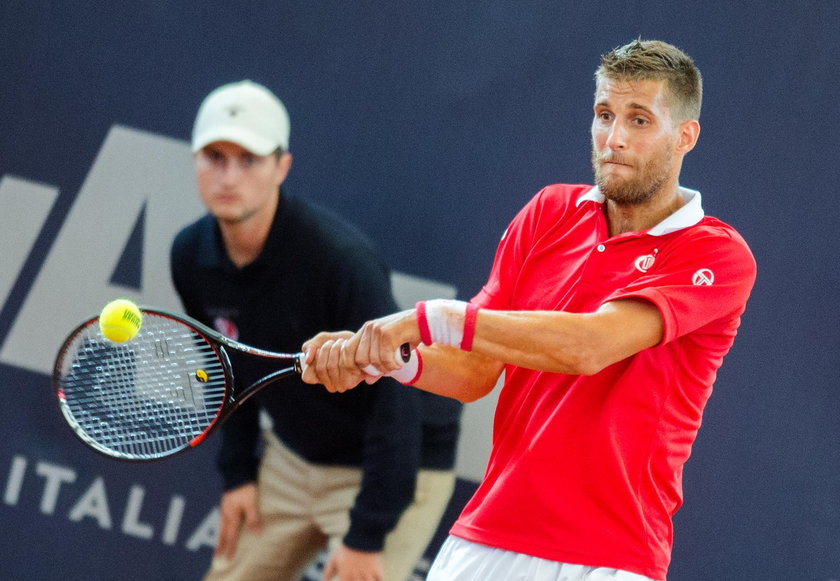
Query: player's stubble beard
(654,174)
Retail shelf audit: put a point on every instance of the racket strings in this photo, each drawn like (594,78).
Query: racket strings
(145,398)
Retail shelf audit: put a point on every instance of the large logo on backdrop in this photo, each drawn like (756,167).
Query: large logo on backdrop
(114,241)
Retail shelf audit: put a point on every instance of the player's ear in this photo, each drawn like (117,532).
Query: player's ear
(284,165)
(687,134)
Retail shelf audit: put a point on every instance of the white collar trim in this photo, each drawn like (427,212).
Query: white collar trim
(689,215)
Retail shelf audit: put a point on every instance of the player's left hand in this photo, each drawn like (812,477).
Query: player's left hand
(329,361)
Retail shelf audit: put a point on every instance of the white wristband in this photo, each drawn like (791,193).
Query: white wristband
(447,322)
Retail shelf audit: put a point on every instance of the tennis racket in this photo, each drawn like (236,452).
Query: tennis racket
(158,394)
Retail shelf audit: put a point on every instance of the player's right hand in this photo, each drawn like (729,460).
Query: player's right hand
(378,343)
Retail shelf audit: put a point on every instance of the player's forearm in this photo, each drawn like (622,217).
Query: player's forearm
(457,374)
(572,343)
(543,341)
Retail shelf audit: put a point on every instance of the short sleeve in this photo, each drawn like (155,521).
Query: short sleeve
(704,279)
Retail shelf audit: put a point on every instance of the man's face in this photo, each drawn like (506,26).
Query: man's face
(237,185)
(633,140)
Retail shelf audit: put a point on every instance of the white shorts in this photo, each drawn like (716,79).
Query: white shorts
(462,560)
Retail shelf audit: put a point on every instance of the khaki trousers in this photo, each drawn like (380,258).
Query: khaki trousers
(305,508)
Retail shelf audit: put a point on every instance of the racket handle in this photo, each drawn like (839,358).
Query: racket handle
(405,373)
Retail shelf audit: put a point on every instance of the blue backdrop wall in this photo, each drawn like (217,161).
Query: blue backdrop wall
(428,124)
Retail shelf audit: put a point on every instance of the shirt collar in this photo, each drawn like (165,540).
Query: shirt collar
(690,214)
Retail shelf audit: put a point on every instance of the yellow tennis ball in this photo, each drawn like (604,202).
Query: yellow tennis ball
(120,320)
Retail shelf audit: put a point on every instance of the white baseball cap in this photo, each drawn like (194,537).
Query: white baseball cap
(244,113)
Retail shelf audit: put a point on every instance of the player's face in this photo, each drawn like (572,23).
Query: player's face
(237,185)
(634,141)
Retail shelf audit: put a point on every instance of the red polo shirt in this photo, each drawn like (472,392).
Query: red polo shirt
(588,469)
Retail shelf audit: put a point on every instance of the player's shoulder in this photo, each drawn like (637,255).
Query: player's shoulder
(552,202)
(314,221)
(715,228)
(190,236)
(712,237)
(563,193)
(560,197)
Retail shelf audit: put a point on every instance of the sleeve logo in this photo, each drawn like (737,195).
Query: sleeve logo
(703,277)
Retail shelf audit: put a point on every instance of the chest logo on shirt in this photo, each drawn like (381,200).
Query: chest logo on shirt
(645,262)
(226,327)
(703,277)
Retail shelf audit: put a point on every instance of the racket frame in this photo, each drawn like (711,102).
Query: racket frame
(231,399)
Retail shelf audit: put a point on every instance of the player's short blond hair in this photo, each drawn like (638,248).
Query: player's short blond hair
(644,60)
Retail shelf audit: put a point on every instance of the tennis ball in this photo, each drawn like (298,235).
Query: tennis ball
(120,320)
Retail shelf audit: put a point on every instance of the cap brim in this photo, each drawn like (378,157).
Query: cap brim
(234,134)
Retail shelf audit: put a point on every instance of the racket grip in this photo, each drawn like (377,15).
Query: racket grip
(404,374)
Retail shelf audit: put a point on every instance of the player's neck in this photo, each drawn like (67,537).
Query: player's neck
(622,218)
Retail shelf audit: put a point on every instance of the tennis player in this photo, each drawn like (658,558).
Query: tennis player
(609,308)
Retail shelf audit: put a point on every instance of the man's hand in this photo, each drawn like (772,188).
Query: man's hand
(341,360)
(348,564)
(329,361)
(378,342)
(238,508)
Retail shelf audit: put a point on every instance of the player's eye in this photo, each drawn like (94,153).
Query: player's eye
(213,156)
(249,160)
